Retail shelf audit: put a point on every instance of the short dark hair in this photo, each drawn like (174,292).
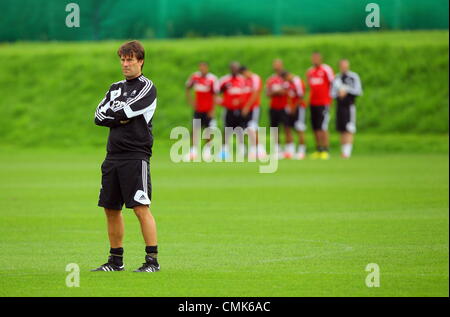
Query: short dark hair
(133,49)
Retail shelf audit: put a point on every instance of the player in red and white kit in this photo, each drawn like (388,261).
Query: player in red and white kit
(276,90)
(232,86)
(251,111)
(204,84)
(296,113)
(320,77)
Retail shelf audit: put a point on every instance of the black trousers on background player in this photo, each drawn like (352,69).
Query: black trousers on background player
(251,120)
(205,120)
(320,117)
(125,182)
(278,117)
(291,118)
(233,119)
(346,118)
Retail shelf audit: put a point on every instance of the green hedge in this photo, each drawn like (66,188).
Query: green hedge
(50,91)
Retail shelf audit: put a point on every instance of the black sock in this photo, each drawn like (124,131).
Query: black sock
(325,149)
(319,149)
(117,255)
(152,250)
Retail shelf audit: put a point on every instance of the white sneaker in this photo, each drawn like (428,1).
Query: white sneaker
(189,157)
(207,156)
(262,154)
(300,156)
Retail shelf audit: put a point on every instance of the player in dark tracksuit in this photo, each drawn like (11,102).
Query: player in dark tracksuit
(127,110)
(345,89)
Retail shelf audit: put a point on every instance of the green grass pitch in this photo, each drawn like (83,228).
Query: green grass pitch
(309,229)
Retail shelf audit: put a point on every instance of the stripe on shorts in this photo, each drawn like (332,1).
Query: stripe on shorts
(326,119)
(353,114)
(144,175)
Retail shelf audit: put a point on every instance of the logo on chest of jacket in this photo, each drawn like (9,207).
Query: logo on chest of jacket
(117,105)
(115,93)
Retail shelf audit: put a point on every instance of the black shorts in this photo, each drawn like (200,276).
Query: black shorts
(291,118)
(278,117)
(251,121)
(205,120)
(233,119)
(125,182)
(346,118)
(296,119)
(320,117)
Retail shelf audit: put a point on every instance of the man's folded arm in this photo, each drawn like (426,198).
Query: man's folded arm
(104,116)
(144,102)
(101,116)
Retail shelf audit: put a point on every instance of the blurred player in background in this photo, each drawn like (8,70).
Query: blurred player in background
(204,84)
(251,111)
(276,90)
(296,113)
(232,86)
(320,77)
(346,87)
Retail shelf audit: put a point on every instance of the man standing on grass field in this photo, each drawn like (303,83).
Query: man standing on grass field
(320,76)
(232,86)
(276,90)
(251,110)
(346,87)
(205,86)
(127,109)
(296,113)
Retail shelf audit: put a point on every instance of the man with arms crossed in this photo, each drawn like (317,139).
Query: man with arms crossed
(346,87)
(276,90)
(251,111)
(232,87)
(296,113)
(320,76)
(205,86)
(127,109)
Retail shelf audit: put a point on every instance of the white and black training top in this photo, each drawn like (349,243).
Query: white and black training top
(133,100)
(352,84)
